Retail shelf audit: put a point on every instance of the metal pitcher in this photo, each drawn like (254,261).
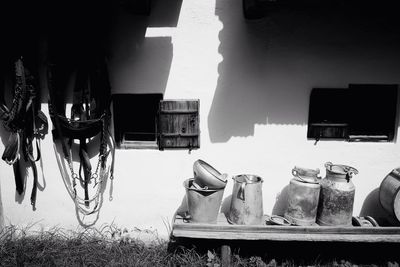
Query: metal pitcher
(336,201)
(247,201)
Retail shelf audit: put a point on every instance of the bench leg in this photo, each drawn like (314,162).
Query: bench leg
(225,256)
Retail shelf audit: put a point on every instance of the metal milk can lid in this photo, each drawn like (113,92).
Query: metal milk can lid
(339,170)
(306,175)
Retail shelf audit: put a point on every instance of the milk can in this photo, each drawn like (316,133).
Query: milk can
(303,196)
(247,201)
(337,196)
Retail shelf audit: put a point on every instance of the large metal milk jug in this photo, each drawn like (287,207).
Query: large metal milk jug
(337,196)
(303,196)
(247,201)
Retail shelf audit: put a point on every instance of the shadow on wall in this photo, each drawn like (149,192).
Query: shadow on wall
(141,50)
(281,202)
(226,205)
(270,65)
(1,212)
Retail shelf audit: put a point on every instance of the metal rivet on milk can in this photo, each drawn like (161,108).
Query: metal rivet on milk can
(303,196)
(336,201)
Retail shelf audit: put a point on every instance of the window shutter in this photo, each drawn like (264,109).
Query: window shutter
(178,124)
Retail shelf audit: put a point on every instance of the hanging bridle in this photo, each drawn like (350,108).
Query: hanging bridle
(26,124)
(86,123)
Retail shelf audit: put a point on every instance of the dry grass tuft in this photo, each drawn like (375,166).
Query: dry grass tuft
(90,247)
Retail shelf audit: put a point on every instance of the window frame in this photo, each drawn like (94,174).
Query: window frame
(344,119)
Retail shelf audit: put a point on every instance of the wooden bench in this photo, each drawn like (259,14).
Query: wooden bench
(222,230)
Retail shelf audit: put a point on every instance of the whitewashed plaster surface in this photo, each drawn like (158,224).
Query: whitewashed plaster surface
(253,80)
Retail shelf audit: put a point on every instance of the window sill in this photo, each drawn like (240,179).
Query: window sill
(368,138)
(139,145)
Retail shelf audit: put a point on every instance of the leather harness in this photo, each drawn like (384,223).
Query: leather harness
(90,117)
(27,124)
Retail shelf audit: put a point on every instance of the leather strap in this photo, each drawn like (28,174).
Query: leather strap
(11,151)
(86,168)
(79,129)
(19,179)
(35,183)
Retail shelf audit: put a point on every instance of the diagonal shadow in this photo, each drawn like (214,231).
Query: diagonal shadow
(270,65)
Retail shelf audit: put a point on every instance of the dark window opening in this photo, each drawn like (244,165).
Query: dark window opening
(328,117)
(373,114)
(135,118)
(362,112)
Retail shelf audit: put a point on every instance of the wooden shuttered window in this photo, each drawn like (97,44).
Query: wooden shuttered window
(178,124)
(146,121)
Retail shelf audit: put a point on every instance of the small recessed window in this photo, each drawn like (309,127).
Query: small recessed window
(149,121)
(328,115)
(361,112)
(372,112)
(135,119)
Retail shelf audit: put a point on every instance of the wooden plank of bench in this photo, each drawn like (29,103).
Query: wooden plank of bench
(225,231)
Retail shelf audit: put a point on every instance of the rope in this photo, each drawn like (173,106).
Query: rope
(70,182)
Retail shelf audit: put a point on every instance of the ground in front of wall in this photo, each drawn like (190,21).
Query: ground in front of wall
(112,246)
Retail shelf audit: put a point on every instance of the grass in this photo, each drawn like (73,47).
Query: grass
(112,246)
(109,246)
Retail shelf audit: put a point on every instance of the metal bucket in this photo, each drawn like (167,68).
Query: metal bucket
(389,193)
(203,204)
(247,201)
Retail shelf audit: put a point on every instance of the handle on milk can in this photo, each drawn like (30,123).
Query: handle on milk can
(349,172)
(346,170)
(328,165)
(295,173)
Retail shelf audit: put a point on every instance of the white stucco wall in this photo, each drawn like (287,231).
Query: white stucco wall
(253,80)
